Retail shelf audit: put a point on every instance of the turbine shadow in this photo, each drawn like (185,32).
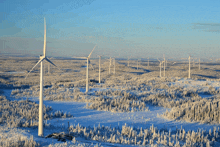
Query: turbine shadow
(205,76)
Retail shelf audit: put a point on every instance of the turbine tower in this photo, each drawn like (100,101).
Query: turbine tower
(110,63)
(87,69)
(160,68)
(161,62)
(42,58)
(100,69)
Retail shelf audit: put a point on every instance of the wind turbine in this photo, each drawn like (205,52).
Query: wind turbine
(114,62)
(161,62)
(100,69)
(199,63)
(42,58)
(87,69)
(110,63)
(49,68)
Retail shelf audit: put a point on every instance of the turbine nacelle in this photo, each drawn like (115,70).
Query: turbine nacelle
(42,58)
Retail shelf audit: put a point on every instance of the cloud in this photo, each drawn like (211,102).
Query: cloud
(207,27)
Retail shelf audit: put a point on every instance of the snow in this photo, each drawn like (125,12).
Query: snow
(86,117)
(12,72)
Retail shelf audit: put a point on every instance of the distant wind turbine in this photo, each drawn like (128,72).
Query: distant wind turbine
(48,70)
(110,63)
(42,58)
(199,63)
(114,62)
(87,69)
(161,62)
(100,69)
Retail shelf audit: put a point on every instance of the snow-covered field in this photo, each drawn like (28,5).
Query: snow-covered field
(130,108)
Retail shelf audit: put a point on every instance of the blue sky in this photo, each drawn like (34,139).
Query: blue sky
(136,28)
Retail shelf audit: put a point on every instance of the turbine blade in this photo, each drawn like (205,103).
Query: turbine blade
(44,37)
(34,67)
(52,63)
(92,51)
(91,65)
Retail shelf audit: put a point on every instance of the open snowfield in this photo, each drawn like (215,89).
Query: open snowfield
(133,107)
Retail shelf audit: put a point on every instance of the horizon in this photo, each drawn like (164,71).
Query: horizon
(184,60)
(133,29)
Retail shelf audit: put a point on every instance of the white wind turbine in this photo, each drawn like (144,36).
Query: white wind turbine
(161,62)
(100,68)
(110,63)
(49,67)
(42,58)
(87,69)
(114,65)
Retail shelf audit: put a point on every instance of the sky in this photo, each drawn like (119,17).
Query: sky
(119,28)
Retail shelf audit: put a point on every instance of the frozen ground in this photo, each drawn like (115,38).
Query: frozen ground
(86,117)
(143,84)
